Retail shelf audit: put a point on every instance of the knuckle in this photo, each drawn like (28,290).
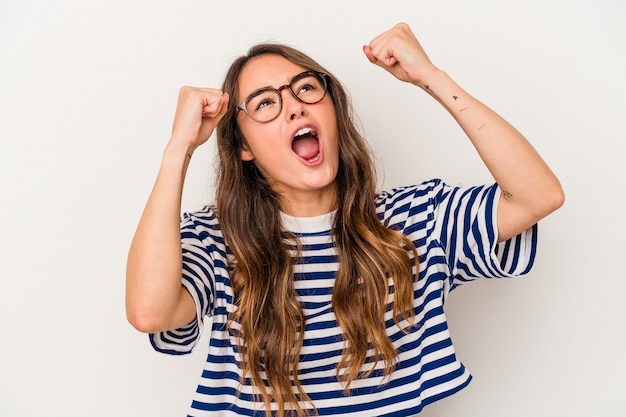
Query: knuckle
(184,91)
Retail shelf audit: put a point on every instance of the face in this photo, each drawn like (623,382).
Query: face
(298,152)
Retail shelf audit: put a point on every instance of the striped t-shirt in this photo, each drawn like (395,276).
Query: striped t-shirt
(455,232)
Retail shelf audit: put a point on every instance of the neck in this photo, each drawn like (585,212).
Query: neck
(309,204)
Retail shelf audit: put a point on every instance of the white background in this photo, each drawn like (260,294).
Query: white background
(87,94)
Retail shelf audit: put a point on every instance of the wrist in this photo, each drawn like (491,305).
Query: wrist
(178,150)
(442,88)
(430,78)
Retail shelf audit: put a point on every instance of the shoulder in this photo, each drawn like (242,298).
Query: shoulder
(409,191)
(406,196)
(409,208)
(202,224)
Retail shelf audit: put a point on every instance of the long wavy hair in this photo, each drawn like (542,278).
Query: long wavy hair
(377,266)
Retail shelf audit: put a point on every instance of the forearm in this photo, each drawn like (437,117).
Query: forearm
(154,294)
(530,189)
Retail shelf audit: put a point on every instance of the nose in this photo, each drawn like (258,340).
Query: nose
(292,116)
(292,107)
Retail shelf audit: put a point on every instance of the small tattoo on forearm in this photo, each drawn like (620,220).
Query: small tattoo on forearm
(507,194)
(483,125)
(455,97)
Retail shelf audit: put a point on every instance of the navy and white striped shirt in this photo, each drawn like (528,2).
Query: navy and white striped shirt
(455,232)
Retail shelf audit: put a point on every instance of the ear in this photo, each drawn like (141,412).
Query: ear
(246,153)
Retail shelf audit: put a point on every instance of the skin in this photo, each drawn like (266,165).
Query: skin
(530,190)
(155,298)
(307,189)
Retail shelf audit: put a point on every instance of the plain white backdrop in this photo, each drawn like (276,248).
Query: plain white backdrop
(87,95)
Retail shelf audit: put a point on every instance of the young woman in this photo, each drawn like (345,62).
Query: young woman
(325,297)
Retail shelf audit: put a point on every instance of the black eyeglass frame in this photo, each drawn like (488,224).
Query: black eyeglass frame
(322,76)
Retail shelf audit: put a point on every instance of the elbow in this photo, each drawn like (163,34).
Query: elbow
(139,322)
(552,200)
(143,321)
(560,199)
(556,199)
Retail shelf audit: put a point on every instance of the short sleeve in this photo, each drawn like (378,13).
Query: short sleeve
(198,246)
(466,227)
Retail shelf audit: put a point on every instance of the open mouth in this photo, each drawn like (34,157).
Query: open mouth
(305,144)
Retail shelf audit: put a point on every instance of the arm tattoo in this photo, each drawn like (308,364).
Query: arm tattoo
(507,194)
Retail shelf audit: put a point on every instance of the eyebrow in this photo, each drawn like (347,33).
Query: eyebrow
(274,88)
(257,92)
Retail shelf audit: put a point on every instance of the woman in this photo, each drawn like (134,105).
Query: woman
(326,298)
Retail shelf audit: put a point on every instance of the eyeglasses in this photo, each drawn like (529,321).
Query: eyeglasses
(265,104)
